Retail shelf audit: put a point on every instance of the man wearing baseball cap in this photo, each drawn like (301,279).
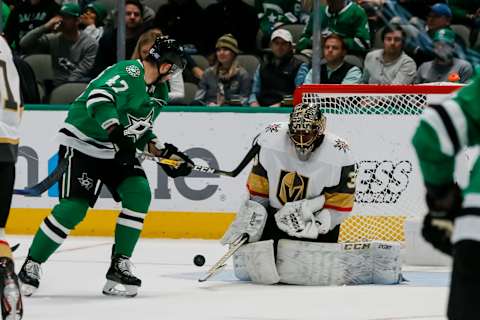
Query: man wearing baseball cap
(445,67)
(439,17)
(92,19)
(73,52)
(277,77)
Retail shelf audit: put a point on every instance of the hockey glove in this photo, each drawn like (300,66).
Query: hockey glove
(169,151)
(126,149)
(443,202)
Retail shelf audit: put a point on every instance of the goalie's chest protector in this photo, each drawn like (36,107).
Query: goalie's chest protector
(290,179)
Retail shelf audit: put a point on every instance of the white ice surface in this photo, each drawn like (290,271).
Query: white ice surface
(74,276)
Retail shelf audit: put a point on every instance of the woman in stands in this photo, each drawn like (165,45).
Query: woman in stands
(226,82)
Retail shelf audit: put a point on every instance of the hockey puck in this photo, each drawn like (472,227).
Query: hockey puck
(199,260)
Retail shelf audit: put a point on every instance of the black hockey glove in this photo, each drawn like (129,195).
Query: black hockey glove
(126,149)
(171,152)
(443,203)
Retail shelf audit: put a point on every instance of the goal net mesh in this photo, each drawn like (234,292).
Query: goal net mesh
(383,201)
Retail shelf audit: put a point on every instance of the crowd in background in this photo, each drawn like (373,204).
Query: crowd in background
(253,53)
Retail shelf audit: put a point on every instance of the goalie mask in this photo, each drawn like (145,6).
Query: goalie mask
(166,50)
(306,129)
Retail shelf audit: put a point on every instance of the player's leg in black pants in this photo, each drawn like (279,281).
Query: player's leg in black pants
(465,282)
(11,300)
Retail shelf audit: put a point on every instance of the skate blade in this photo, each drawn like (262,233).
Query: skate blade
(113,288)
(12,302)
(26,289)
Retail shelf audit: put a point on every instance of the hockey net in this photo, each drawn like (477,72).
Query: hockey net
(378,121)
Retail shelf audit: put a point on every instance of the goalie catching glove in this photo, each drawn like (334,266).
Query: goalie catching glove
(304,218)
(443,202)
(169,151)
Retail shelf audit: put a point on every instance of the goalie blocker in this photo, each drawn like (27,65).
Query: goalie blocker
(323,264)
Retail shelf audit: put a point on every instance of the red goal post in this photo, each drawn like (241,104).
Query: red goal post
(379,121)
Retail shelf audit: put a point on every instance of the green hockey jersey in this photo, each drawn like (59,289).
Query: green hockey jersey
(351,23)
(444,130)
(274,13)
(118,95)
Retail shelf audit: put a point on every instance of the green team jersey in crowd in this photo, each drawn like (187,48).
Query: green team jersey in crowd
(444,130)
(274,13)
(351,23)
(119,95)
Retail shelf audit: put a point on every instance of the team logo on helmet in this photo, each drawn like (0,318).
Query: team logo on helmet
(342,145)
(132,70)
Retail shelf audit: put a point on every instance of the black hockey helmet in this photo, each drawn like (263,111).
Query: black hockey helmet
(306,128)
(166,50)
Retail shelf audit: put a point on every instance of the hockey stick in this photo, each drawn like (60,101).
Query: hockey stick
(221,263)
(45,184)
(174,163)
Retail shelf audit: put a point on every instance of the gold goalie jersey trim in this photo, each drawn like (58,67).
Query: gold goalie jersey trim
(10,105)
(281,177)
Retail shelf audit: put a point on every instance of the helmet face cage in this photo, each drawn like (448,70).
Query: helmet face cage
(307,124)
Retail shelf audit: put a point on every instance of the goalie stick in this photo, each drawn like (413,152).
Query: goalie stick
(45,184)
(221,263)
(235,172)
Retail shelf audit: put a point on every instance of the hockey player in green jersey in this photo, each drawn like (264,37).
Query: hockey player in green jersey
(105,127)
(452,224)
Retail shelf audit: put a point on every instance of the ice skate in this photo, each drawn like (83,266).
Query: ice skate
(120,279)
(11,299)
(29,277)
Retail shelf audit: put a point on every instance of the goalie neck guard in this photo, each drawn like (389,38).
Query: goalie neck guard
(306,129)
(166,50)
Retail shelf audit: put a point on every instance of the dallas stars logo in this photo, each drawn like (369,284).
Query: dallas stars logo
(85,181)
(137,126)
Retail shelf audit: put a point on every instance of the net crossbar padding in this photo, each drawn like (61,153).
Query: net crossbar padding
(377,215)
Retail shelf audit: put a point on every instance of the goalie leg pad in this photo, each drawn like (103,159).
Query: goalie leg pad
(256,262)
(325,264)
(250,219)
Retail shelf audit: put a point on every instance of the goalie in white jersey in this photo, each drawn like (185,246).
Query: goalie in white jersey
(301,187)
(10,113)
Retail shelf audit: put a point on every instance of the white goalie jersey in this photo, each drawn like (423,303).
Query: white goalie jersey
(279,176)
(10,108)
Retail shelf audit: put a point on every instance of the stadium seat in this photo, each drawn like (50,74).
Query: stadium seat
(355,60)
(200,60)
(303,58)
(154,4)
(206,3)
(67,92)
(296,29)
(41,65)
(463,32)
(249,61)
(190,90)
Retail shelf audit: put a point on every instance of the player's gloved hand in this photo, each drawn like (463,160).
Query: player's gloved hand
(169,151)
(126,150)
(297,218)
(443,202)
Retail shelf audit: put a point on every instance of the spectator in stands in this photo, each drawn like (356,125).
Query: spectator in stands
(276,78)
(465,12)
(273,13)
(445,67)
(5,13)
(390,65)
(26,16)
(334,69)
(72,51)
(107,46)
(92,19)
(175,84)
(235,17)
(183,20)
(226,82)
(345,18)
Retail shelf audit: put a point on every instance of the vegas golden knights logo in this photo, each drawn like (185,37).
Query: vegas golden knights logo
(291,187)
